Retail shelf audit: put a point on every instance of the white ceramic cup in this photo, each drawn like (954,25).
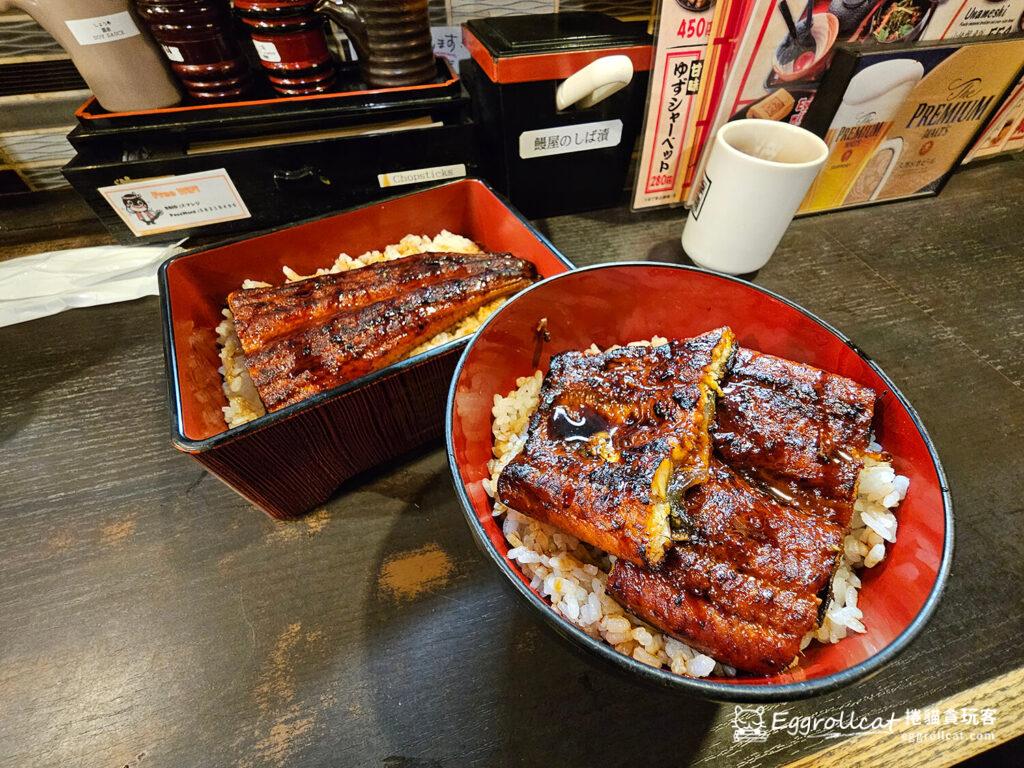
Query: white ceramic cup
(757,175)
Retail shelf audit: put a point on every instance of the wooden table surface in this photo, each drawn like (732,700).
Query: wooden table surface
(151,617)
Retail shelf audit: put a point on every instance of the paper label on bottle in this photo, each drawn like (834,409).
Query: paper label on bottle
(267,51)
(103,29)
(421,175)
(569,138)
(174,54)
(176,202)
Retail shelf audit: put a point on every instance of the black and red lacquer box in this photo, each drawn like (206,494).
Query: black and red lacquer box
(517,66)
(291,460)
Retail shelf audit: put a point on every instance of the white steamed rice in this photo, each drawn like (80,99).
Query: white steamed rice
(573,575)
(243,400)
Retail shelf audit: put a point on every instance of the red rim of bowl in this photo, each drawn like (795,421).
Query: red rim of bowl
(711,689)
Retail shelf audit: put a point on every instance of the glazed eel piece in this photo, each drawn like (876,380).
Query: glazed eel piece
(616,434)
(264,314)
(760,540)
(798,430)
(373,323)
(746,586)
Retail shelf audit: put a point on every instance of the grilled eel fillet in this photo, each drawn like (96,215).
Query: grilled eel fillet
(765,531)
(798,430)
(309,336)
(745,587)
(613,435)
(264,314)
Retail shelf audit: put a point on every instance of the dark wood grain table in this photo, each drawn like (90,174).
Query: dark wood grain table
(151,617)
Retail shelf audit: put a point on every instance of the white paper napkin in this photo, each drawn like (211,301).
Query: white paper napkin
(48,283)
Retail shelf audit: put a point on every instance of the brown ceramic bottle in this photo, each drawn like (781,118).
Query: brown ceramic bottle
(392,38)
(199,42)
(118,60)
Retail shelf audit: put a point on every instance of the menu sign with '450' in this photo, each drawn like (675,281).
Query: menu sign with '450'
(676,71)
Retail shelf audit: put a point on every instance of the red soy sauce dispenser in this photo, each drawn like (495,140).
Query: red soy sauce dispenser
(290,42)
(197,38)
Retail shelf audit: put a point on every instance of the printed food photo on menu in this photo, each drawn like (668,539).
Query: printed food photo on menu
(795,46)
(897,21)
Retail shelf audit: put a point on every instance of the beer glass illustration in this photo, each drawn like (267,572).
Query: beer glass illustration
(860,125)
